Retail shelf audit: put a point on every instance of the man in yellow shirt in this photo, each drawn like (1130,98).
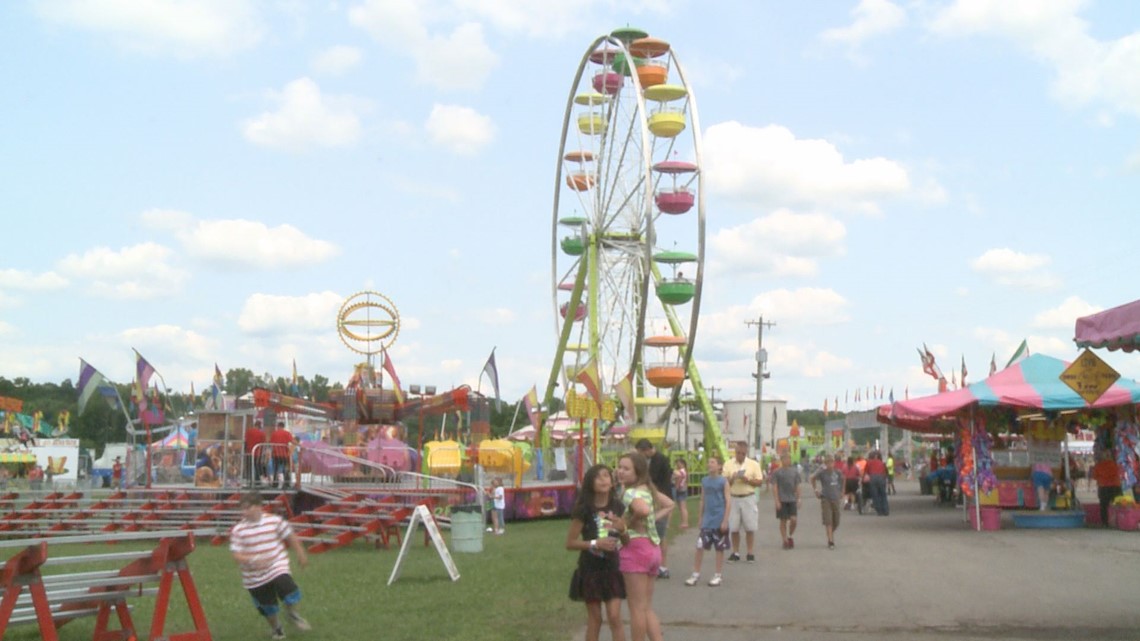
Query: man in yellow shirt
(744,476)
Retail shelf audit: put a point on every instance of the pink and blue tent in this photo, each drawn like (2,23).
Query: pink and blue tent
(1032,383)
(1114,329)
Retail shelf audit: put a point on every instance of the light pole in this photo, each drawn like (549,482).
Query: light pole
(760,375)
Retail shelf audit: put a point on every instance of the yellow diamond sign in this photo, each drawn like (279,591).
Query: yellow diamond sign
(1089,376)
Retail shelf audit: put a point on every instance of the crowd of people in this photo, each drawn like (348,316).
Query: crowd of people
(619,520)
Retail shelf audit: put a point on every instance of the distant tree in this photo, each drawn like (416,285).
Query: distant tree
(319,388)
(239,381)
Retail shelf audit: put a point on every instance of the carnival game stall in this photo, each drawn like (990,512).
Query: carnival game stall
(1027,398)
(1115,329)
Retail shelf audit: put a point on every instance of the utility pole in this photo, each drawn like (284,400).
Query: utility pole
(711,391)
(760,375)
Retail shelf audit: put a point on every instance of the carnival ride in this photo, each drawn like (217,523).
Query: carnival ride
(628,221)
(367,415)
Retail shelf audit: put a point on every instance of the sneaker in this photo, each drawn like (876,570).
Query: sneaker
(692,580)
(278,633)
(490,530)
(831,545)
(786,546)
(751,558)
(791,543)
(299,621)
(715,581)
(734,557)
(663,573)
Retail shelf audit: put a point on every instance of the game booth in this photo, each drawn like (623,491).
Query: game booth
(1026,414)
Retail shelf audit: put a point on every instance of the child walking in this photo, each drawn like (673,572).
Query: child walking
(596,530)
(641,557)
(714,521)
(258,545)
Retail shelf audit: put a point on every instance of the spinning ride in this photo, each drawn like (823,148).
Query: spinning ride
(628,231)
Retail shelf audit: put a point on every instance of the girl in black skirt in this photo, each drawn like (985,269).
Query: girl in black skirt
(597,531)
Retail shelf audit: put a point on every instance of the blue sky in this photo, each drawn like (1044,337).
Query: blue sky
(208,181)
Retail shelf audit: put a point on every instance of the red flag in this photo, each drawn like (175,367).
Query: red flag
(391,370)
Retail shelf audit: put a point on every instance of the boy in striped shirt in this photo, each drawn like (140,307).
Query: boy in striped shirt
(258,545)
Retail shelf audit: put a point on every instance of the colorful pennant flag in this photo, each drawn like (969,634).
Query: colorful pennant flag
(624,391)
(963,370)
(1022,352)
(589,377)
(928,365)
(391,370)
(91,382)
(492,372)
(993,363)
(143,373)
(533,411)
(217,386)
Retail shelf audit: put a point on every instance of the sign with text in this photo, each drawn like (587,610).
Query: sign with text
(1089,376)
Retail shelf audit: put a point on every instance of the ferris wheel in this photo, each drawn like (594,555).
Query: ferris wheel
(628,230)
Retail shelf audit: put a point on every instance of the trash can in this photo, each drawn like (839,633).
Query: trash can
(466,528)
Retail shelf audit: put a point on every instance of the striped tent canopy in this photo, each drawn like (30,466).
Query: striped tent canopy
(1033,383)
(17,457)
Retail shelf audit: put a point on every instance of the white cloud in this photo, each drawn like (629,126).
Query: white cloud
(459,59)
(769,166)
(497,316)
(138,272)
(182,29)
(241,242)
(1064,316)
(1086,70)
(24,280)
(781,244)
(268,314)
(1015,269)
(7,329)
(335,61)
(871,18)
(163,343)
(461,129)
(306,118)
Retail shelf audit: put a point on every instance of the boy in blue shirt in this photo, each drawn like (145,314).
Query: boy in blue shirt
(714,521)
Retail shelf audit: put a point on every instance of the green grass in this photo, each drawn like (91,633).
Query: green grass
(516,589)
